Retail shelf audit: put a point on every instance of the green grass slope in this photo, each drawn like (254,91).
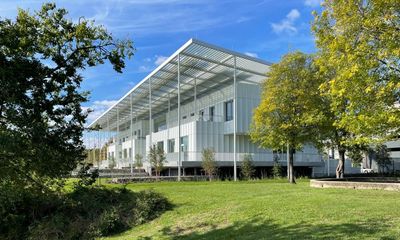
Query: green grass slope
(269,210)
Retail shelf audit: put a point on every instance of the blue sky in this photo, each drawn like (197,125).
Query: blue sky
(265,29)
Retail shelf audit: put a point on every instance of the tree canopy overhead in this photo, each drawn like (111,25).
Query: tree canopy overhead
(41,119)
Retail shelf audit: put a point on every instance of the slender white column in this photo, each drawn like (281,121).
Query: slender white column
(150,122)
(117,139)
(179,118)
(99,146)
(234,119)
(108,139)
(94,148)
(99,158)
(169,110)
(167,122)
(131,152)
(195,99)
(137,135)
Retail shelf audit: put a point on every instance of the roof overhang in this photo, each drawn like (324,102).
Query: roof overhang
(201,64)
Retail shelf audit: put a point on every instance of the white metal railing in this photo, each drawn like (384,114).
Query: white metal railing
(224,156)
(172,158)
(173,122)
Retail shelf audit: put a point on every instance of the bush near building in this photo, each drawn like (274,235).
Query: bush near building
(247,167)
(208,162)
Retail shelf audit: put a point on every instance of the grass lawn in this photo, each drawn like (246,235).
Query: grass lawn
(269,210)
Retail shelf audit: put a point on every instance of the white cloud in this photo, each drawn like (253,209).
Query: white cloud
(101,14)
(97,108)
(106,103)
(313,3)
(142,18)
(255,55)
(293,15)
(287,24)
(160,59)
(168,17)
(144,68)
(243,19)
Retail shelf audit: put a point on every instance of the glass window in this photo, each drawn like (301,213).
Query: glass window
(229,110)
(212,110)
(184,143)
(125,153)
(160,145)
(171,145)
(130,152)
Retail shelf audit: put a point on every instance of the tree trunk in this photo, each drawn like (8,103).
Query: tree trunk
(340,166)
(290,167)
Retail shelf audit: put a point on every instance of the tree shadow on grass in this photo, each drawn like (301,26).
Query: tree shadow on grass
(264,229)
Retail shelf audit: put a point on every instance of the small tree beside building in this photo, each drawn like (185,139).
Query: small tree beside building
(138,160)
(111,163)
(208,162)
(247,167)
(157,159)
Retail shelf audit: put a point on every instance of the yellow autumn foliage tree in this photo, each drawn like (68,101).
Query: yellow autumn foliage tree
(359,41)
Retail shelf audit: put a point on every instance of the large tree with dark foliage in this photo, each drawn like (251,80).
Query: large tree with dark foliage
(41,119)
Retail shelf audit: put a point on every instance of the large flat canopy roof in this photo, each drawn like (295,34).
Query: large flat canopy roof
(202,64)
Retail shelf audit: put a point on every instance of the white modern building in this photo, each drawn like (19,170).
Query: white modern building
(202,96)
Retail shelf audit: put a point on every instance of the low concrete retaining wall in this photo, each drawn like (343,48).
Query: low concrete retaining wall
(390,184)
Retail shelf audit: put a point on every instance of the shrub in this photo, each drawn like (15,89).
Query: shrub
(86,178)
(247,167)
(85,213)
(21,208)
(138,160)
(149,206)
(208,162)
(110,222)
(157,159)
(111,163)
